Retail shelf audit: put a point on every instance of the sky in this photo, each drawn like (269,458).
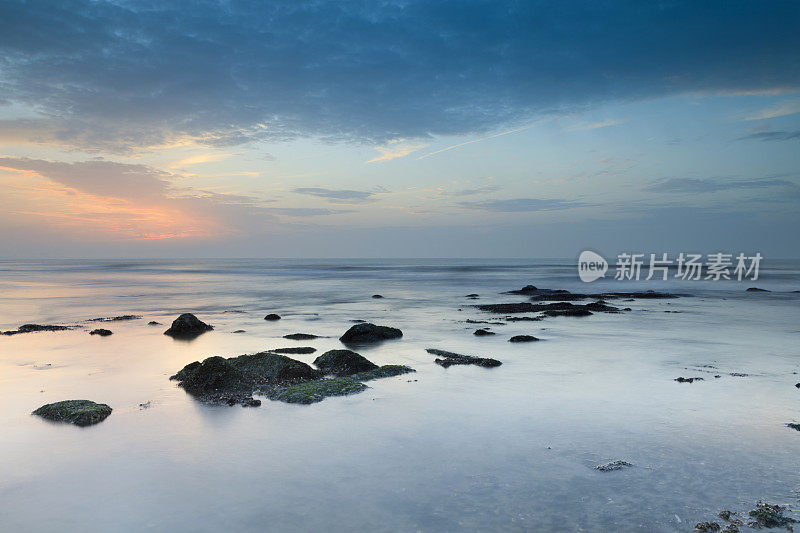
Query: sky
(398,128)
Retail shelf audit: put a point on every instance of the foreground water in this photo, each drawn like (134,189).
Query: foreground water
(463,448)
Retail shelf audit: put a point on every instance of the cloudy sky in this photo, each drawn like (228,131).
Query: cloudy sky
(398,128)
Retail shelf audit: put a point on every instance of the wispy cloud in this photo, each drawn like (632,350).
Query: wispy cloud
(522,205)
(772,136)
(586,126)
(336,195)
(459,145)
(692,185)
(200,158)
(395,149)
(781,110)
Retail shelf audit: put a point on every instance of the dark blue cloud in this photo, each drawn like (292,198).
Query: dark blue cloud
(692,185)
(336,195)
(125,74)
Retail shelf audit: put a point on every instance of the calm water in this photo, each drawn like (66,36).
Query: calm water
(463,448)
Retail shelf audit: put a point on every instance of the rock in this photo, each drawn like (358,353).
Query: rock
(482,332)
(797,385)
(472,296)
(300,336)
(316,391)
(297,350)
(706,526)
(687,380)
(153,323)
(32,328)
(551,309)
(115,318)
(523,338)
(613,465)
(213,376)
(527,289)
(272,317)
(452,358)
(78,412)
(251,402)
(793,426)
(273,368)
(769,516)
(385,371)
(524,318)
(377,296)
(756,289)
(239,331)
(187,326)
(101,332)
(646,295)
(366,333)
(343,363)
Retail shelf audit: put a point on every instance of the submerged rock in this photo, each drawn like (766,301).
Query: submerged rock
(343,363)
(300,336)
(756,289)
(187,326)
(452,358)
(706,526)
(483,332)
(793,426)
(687,380)
(269,367)
(116,318)
(78,412)
(153,323)
(613,465)
(385,371)
(377,296)
(297,350)
(239,331)
(365,332)
(213,376)
(101,332)
(551,309)
(769,516)
(272,317)
(32,328)
(523,338)
(316,391)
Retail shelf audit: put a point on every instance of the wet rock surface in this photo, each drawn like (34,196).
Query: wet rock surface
(377,296)
(523,338)
(33,328)
(187,326)
(756,289)
(613,465)
(120,318)
(300,336)
(446,359)
(295,350)
(483,332)
(687,380)
(102,332)
(343,363)
(551,309)
(365,332)
(78,412)
(272,317)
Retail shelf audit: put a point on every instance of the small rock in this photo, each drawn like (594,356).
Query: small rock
(300,336)
(613,465)
(756,289)
(251,402)
(452,358)
(187,326)
(365,332)
(343,363)
(101,332)
(706,526)
(272,317)
(153,323)
(239,331)
(523,338)
(687,380)
(78,412)
(377,296)
(794,426)
(483,332)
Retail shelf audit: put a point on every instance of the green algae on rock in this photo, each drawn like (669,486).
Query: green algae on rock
(316,391)
(78,412)
(365,332)
(343,362)
(385,371)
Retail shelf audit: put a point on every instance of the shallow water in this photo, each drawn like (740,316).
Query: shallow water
(463,448)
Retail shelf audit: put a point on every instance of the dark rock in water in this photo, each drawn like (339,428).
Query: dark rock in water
(687,380)
(316,391)
(358,321)
(560,297)
(214,375)
(613,465)
(551,309)
(32,328)
(489,322)
(797,385)
(472,296)
(116,318)
(78,412)
(269,367)
(187,326)
(524,318)
(577,312)
(483,332)
(377,296)
(756,289)
(647,295)
(523,338)
(300,336)
(769,516)
(272,317)
(793,426)
(452,358)
(101,332)
(251,402)
(153,323)
(385,371)
(706,526)
(343,363)
(297,350)
(366,333)
(527,290)
(239,331)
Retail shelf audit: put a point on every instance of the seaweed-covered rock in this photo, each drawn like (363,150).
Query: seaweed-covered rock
(300,336)
(272,317)
(316,391)
(766,515)
(269,367)
(343,362)
(613,465)
(33,328)
(187,326)
(483,332)
(523,338)
(78,412)
(366,333)
(706,526)
(214,375)
(451,358)
(120,318)
(296,349)
(756,289)
(385,371)
(102,332)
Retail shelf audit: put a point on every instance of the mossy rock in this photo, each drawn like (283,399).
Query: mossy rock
(343,362)
(296,349)
(316,391)
(78,412)
(187,326)
(273,367)
(213,375)
(385,371)
(365,332)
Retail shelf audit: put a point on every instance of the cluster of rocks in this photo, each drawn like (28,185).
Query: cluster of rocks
(446,359)
(765,515)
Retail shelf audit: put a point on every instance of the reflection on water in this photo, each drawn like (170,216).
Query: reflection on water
(509,448)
